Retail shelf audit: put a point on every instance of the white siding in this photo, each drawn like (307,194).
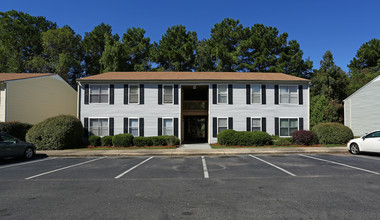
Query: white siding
(150,111)
(3,96)
(239,110)
(362,109)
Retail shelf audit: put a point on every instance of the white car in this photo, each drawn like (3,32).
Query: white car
(367,143)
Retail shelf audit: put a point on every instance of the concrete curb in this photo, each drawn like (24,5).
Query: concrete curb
(191,152)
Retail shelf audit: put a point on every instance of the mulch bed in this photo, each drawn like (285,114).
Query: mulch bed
(293,145)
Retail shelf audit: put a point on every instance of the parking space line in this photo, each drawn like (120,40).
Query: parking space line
(63,168)
(283,170)
(132,168)
(205,171)
(29,162)
(341,164)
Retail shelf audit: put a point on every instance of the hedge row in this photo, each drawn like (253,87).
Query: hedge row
(332,133)
(127,140)
(15,128)
(244,138)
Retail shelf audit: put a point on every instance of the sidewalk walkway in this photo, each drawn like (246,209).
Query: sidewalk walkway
(199,146)
(192,152)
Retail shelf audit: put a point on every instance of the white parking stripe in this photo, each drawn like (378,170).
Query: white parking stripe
(283,170)
(341,164)
(34,161)
(129,170)
(205,171)
(63,168)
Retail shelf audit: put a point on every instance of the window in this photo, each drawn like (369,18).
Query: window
(99,94)
(256,93)
(99,126)
(7,139)
(222,124)
(167,126)
(256,124)
(288,94)
(222,94)
(134,126)
(133,94)
(288,126)
(168,94)
(375,134)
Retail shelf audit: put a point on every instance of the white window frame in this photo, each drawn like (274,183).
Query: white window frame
(259,124)
(279,95)
(217,94)
(92,118)
(138,94)
(138,126)
(163,128)
(163,94)
(279,125)
(108,94)
(259,85)
(217,124)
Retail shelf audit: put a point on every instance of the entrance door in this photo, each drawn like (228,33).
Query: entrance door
(195,129)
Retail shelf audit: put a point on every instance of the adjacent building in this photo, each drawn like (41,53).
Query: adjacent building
(195,106)
(33,97)
(361,109)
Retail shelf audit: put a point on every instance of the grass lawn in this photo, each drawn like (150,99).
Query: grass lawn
(217,146)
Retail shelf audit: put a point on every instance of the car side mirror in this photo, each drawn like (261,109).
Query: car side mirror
(363,138)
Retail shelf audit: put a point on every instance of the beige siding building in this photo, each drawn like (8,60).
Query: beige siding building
(32,97)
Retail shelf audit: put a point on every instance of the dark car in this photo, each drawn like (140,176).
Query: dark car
(13,147)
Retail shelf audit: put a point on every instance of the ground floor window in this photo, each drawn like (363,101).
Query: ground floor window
(99,126)
(222,124)
(167,126)
(256,124)
(288,126)
(134,126)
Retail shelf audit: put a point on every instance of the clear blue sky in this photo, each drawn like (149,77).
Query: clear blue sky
(339,26)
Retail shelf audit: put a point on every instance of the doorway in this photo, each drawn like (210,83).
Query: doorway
(195,129)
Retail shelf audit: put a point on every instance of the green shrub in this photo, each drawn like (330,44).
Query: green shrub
(282,142)
(122,140)
(332,133)
(172,140)
(15,128)
(159,140)
(302,137)
(106,141)
(244,138)
(94,140)
(142,141)
(56,133)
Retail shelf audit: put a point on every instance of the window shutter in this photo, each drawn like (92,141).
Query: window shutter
(159,126)
(112,94)
(85,127)
(300,94)
(230,94)
(276,94)
(214,94)
(264,124)
(176,127)
(248,124)
(160,94)
(230,123)
(86,94)
(141,94)
(300,121)
(248,93)
(141,127)
(125,94)
(125,125)
(175,94)
(214,127)
(263,94)
(111,124)
(276,126)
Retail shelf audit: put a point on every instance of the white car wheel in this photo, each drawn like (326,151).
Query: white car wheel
(354,148)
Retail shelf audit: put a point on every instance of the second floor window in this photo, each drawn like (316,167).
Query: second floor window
(288,94)
(222,94)
(168,94)
(99,94)
(133,94)
(256,94)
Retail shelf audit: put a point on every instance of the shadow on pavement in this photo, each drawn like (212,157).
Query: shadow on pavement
(15,160)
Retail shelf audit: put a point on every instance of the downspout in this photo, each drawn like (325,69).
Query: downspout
(6,102)
(79,91)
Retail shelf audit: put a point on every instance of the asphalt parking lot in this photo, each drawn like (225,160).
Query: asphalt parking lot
(207,187)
